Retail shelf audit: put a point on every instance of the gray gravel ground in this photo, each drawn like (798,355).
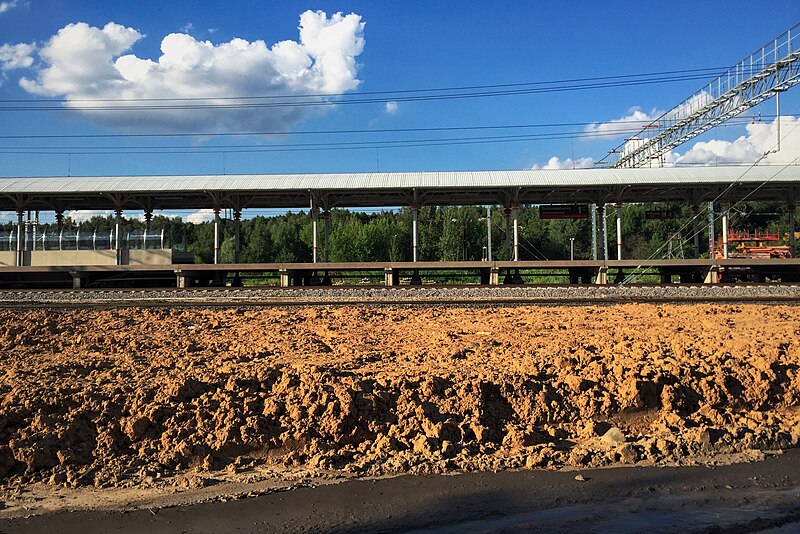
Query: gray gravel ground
(408,294)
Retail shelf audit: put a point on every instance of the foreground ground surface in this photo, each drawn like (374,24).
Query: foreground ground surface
(142,408)
(755,497)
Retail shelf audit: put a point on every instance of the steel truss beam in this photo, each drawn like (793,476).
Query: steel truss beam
(774,67)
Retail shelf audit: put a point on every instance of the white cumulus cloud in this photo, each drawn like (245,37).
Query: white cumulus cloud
(10,4)
(556,163)
(635,120)
(83,62)
(200,216)
(16,56)
(391,107)
(79,216)
(760,138)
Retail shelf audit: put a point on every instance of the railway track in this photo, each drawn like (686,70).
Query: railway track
(448,295)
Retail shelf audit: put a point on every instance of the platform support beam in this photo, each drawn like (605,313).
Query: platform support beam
(118,236)
(285,278)
(593,212)
(619,231)
(414,234)
(217,226)
(792,229)
(601,214)
(488,233)
(494,276)
(314,232)
(712,276)
(237,236)
(725,232)
(516,232)
(602,276)
(19,258)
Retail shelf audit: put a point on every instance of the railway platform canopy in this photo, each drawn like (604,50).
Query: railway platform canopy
(605,187)
(691,185)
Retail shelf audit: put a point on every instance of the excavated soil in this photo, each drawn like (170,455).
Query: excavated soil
(152,397)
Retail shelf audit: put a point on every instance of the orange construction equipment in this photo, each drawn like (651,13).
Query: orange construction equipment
(754,244)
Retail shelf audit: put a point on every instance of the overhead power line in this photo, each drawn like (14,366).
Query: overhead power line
(326,146)
(699,71)
(320,100)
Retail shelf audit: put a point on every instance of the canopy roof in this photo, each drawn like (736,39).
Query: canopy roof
(601,186)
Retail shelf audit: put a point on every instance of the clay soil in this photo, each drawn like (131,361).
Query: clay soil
(186,400)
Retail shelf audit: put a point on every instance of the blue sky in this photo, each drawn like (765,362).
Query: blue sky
(406,45)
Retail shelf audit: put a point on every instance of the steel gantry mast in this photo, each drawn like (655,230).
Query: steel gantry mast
(766,72)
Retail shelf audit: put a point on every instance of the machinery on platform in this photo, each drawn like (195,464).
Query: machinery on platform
(755,244)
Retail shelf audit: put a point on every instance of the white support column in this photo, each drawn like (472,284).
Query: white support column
(314,221)
(489,233)
(605,234)
(414,235)
(593,211)
(792,209)
(118,237)
(20,230)
(148,218)
(696,230)
(35,228)
(725,232)
(619,231)
(516,233)
(217,224)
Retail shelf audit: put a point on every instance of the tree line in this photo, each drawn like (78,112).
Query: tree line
(446,233)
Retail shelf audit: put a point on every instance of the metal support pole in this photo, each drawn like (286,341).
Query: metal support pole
(792,209)
(488,233)
(696,230)
(19,237)
(148,217)
(27,230)
(162,239)
(35,228)
(326,235)
(725,232)
(571,249)
(94,239)
(507,212)
(118,236)
(314,221)
(778,118)
(605,234)
(217,224)
(619,231)
(593,211)
(516,233)
(602,245)
(237,235)
(414,236)
(711,236)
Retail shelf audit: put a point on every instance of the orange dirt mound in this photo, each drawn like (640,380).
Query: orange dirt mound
(129,396)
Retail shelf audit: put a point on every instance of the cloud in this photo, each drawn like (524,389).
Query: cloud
(635,120)
(83,62)
(186,28)
(16,56)
(760,138)
(79,216)
(201,216)
(556,163)
(10,4)
(391,107)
